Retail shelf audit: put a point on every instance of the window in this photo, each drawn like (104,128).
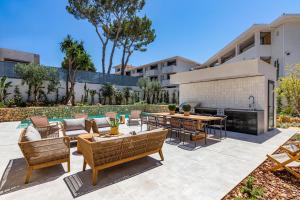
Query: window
(118,69)
(168,76)
(139,70)
(128,73)
(265,38)
(153,67)
(172,62)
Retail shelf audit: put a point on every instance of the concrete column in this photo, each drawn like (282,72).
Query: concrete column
(237,49)
(257,38)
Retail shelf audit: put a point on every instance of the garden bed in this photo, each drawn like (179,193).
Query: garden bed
(19,114)
(273,185)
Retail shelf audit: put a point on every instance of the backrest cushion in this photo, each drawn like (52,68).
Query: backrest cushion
(74,124)
(102,122)
(32,134)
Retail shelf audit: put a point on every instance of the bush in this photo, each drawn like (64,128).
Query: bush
(186,107)
(172,107)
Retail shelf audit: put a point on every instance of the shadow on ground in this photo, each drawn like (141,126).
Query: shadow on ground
(259,139)
(81,183)
(14,176)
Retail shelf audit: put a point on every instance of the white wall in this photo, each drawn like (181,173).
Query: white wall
(79,90)
(230,93)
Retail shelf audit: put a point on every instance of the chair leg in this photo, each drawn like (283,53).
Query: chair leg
(28,174)
(95,175)
(161,155)
(69,164)
(84,165)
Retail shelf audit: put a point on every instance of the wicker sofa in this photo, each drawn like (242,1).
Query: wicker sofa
(100,155)
(74,127)
(43,152)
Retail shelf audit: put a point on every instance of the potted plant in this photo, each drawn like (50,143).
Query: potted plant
(186,109)
(114,125)
(172,108)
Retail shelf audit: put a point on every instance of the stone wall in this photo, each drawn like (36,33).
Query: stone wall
(18,114)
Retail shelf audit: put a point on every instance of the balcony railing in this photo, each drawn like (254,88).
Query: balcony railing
(168,69)
(165,82)
(152,72)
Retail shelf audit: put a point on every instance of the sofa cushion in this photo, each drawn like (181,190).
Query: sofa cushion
(32,134)
(74,133)
(104,130)
(102,122)
(74,124)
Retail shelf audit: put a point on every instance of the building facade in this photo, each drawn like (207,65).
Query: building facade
(10,55)
(277,43)
(161,71)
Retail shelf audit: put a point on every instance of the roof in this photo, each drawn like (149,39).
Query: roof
(255,27)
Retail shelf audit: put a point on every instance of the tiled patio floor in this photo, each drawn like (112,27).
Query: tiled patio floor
(208,172)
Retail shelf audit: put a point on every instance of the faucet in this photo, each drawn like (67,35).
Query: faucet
(251,103)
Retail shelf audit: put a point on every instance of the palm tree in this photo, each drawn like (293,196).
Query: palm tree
(93,93)
(118,97)
(108,91)
(4,85)
(76,58)
(126,93)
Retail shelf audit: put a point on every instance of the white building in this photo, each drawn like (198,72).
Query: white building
(277,43)
(241,77)
(161,71)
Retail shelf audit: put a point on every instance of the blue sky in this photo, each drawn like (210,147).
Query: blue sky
(195,29)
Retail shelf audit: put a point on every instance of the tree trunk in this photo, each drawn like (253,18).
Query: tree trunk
(111,56)
(67,85)
(123,66)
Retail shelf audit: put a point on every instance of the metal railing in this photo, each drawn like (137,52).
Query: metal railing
(8,69)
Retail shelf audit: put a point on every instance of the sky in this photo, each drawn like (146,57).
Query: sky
(195,29)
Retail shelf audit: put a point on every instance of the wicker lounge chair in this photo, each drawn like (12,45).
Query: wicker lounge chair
(286,161)
(103,154)
(134,117)
(111,115)
(101,125)
(81,115)
(45,128)
(74,127)
(41,153)
(190,127)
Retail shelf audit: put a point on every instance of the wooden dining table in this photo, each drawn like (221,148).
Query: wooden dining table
(201,118)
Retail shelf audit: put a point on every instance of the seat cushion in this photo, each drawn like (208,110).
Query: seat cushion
(104,130)
(32,134)
(102,122)
(49,156)
(74,124)
(75,133)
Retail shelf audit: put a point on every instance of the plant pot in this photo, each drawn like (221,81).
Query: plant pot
(114,131)
(186,113)
(172,112)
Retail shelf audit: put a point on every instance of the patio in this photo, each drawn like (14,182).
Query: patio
(207,172)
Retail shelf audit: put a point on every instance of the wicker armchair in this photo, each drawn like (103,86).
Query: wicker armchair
(45,128)
(81,115)
(101,125)
(111,115)
(190,127)
(74,127)
(134,117)
(41,153)
(102,154)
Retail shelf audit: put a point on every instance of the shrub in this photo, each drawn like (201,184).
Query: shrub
(252,192)
(172,107)
(186,107)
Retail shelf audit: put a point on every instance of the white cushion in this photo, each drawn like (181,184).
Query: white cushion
(32,134)
(75,133)
(102,122)
(74,124)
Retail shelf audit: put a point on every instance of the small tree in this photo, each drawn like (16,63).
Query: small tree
(4,85)
(93,93)
(118,97)
(126,94)
(108,91)
(35,75)
(289,88)
(18,97)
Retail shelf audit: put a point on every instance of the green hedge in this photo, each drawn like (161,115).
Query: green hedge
(18,114)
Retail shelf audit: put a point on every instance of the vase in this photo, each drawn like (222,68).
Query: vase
(172,112)
(186,113)
(114,131)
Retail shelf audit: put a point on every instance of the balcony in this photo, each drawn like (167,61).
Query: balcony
(165,83)
(152,72)
(168,69)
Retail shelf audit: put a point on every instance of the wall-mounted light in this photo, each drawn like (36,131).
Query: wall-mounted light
(287,53)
